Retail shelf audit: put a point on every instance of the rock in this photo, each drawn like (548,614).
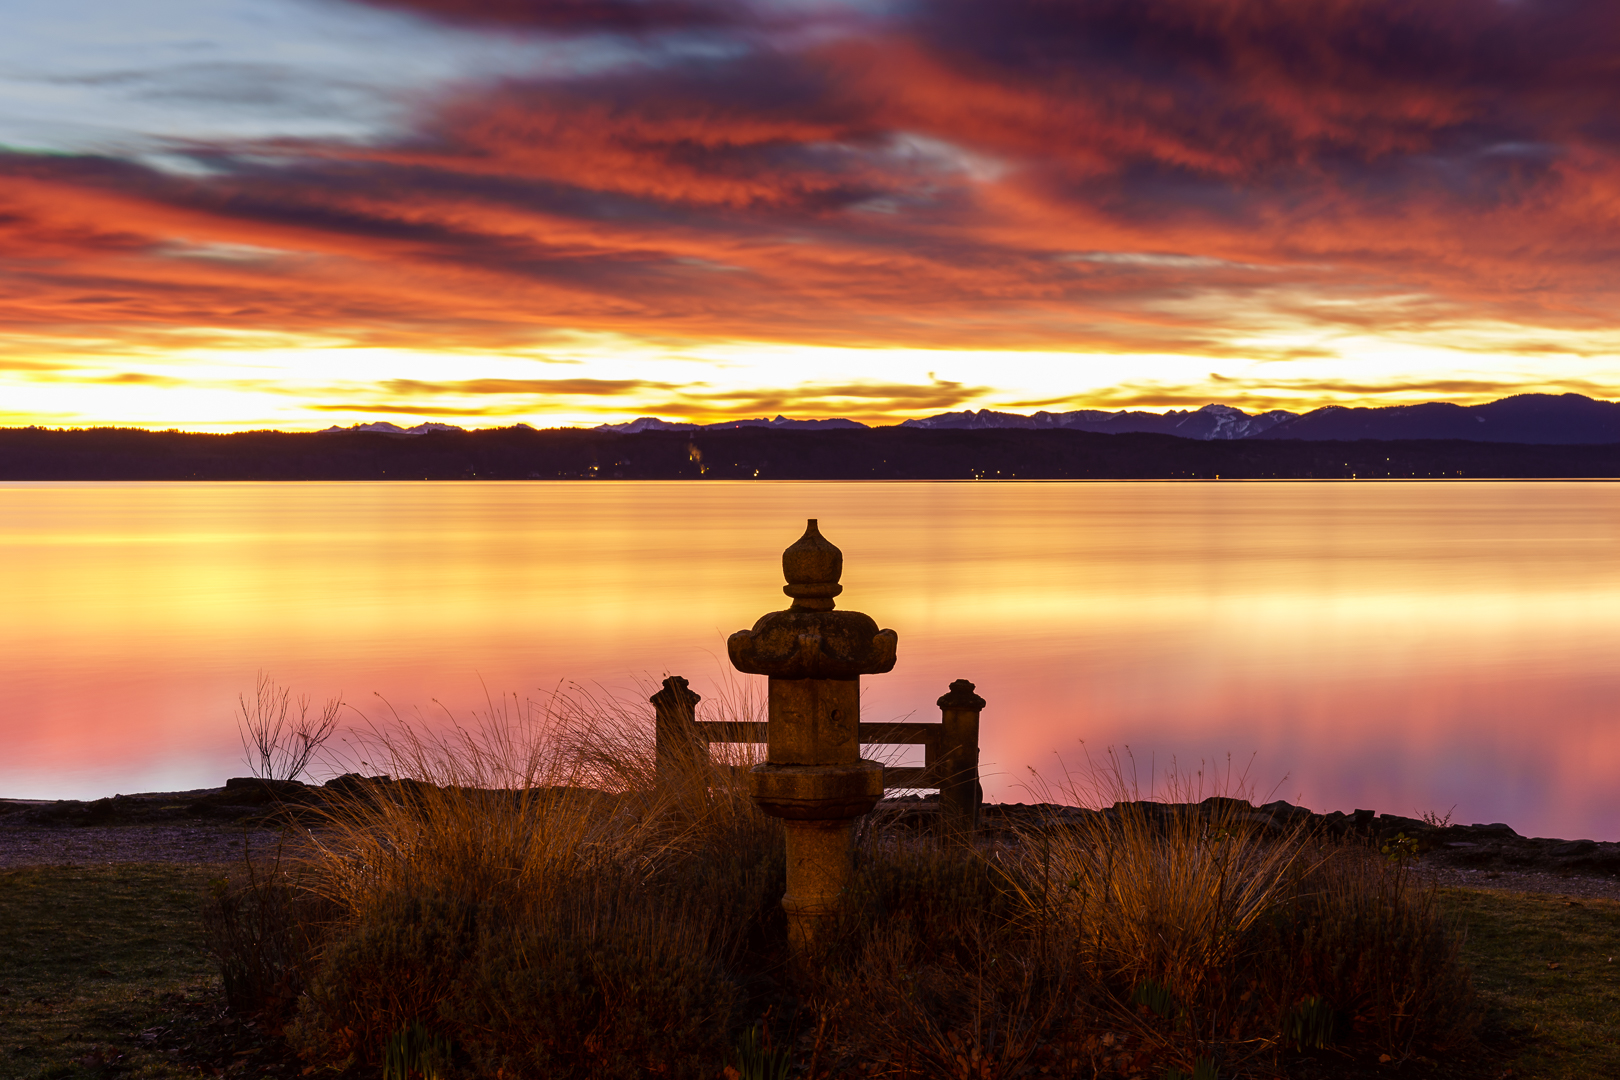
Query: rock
(351,784)
(1287,810)
(1494,829)
(1393,823)
(1222,804)
(1264,822)
(254,791)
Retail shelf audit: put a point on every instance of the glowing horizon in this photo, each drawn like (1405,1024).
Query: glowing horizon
(233,214)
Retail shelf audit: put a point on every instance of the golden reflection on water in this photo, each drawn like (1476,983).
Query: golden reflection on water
(1404,647)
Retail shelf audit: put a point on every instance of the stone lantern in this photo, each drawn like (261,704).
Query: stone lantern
(814,777)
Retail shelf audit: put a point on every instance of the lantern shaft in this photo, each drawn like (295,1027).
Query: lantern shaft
(813,777)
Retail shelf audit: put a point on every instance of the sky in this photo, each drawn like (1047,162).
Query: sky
(237,214)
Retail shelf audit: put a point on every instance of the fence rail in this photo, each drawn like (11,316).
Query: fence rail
(950,747)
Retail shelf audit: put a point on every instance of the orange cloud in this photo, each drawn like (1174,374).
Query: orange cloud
(1176,178)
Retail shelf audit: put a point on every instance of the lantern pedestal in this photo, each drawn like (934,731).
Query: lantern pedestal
(813,777)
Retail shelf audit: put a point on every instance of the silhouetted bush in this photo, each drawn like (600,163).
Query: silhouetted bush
(263,926)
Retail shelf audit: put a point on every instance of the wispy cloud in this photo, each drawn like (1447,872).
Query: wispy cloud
(137,378)
(366,408)
(569,387)
(873,399)
(871,409)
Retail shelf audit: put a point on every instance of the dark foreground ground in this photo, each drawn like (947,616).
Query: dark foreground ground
(104,971)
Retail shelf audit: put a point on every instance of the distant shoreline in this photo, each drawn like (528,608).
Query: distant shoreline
(521,453)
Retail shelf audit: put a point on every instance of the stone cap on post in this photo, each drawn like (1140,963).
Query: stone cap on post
(810,640)
(961,696)
(674,730)
(676,694)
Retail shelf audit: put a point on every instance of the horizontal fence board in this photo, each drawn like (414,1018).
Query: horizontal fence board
(753,731)
(903,733)
(735,731)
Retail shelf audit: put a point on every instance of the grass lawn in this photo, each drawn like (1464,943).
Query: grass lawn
(102,973)
(1549,971)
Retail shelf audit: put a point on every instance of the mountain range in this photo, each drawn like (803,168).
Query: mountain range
(771,453)
(1545,419)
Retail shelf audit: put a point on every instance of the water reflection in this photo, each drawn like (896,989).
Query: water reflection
(1404,647)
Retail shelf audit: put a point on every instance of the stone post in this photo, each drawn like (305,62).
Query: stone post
(959,790)
(813,777)
(674,733)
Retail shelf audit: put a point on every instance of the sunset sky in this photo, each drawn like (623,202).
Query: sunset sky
(226,214)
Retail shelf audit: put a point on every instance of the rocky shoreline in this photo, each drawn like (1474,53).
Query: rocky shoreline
(246,806)
(1478,846)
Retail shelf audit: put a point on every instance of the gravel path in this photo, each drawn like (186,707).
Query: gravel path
(1522,881)
(33,845)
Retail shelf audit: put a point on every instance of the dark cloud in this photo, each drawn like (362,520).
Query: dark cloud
(1363,78)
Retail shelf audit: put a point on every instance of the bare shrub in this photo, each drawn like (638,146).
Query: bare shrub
(277,744)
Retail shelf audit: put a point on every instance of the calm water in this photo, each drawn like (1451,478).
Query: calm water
(1404,647)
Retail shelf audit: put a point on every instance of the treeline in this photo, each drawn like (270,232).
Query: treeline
(522,453)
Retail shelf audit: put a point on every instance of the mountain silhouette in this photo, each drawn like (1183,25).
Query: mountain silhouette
(1544,419)
(1547,419)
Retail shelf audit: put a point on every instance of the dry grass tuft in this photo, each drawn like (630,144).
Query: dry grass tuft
(533,898)
(1211,933)
(536,848)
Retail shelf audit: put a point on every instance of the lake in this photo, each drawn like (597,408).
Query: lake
(1404,647)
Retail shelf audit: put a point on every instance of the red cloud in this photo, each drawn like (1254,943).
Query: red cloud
(1104,175)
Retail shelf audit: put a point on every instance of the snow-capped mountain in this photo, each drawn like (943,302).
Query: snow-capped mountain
(1209,422)
(652,423)
(385,428)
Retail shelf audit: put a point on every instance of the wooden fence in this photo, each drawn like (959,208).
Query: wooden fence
(950,747)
